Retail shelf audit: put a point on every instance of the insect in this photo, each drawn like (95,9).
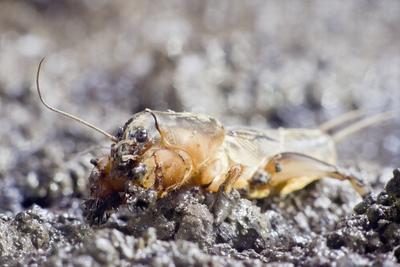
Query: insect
(168,150)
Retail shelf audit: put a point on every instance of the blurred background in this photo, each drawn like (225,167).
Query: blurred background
(256,63)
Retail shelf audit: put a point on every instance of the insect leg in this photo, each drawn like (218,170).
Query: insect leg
(158,174)
(172,169)
(225,182)
(223,203)
(293,171)
(365,123)
(333,123)
(188,171)
(231,177)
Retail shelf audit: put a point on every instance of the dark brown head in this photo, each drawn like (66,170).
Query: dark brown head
(127,164)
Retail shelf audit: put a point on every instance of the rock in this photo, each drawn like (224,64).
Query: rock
(393,186)
(384,199)
(335,240)
(374,214)
(397,253)
(363,205)
(110,59)
(382,232)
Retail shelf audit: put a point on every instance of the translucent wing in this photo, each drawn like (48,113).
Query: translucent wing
(260,144)
(250,147)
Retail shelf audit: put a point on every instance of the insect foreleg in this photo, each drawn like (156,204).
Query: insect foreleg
(187,161)
(172,169)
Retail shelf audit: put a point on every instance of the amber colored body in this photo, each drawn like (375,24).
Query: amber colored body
(184,149)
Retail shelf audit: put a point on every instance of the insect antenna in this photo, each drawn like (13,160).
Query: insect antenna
(367,122)
(155,119)
(65,114)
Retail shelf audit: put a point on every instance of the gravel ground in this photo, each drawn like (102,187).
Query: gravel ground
(255,63)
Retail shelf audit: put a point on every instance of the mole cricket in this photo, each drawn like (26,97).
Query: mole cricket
(164,151)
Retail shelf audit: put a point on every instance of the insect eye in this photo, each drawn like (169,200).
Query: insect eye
(141,135)
(94,162)
(120,132)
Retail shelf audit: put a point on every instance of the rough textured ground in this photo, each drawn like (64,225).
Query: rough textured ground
(256,63)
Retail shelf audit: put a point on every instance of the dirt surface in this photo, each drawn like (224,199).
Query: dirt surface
(255,63)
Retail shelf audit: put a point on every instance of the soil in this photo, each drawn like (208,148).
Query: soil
(260,64)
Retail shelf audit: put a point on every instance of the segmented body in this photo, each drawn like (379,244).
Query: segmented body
(184,150)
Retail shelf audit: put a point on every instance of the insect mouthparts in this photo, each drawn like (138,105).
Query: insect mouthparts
(139,171)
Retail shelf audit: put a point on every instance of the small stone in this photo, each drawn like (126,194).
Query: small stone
(374,213)
(392,213)
(103,244)
(382,224)
(374,242)
(335,240)
(362,207)
(393,186)
(392,234)
(396,253)
(384,199)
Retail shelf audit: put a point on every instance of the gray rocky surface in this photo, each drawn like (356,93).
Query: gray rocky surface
(255,63)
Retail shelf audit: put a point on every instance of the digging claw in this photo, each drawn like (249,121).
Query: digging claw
(96,210)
